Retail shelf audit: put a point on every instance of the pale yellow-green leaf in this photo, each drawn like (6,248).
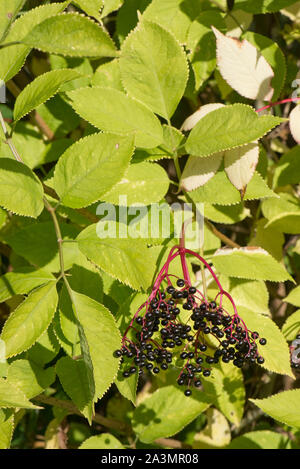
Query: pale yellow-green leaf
(295,123)
(244,67)
(20,189)
(91,167)
(153,53)
(294,297)
(32,317)
(11,396)
(291,327)
(276,351)
(250,262)
(6,427)
(103,441)
(194,118)
(240,164)
(143,183)
(216,434)
(118,113)
(198,171)
(283,407)
(164,418)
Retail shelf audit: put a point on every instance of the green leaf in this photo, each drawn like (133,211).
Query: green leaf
(287,170)
(171,15)
(250,262)
(163,418)
(263,6)
(260,439)
(143,183)
(268,238)
(103,441)
(294,297)
(118,113)
(66,325)
(82,66)
(40,90)
(283,407)
(283,214)
(73,377)
(31,318)
(44,349)
(153,53)
(216,433)
(252,294)
(28,143)
(276,351)
(110,6)
(6,427)
(291,327)
(116,257)
(59,116)
(127,386)
(20,190)
(20,283)
(90,7)
(127,17)
(91,167)
(228,127)
(103,338)
(108,75)
(173,138)
(226,214)
(72,35)
(273,55)
(37,243)
(13,57)
(202,45)
(8,11)
(229,392)
(229,195)
(10,396)
(29,377)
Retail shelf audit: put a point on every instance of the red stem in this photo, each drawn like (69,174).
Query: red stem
(283,101)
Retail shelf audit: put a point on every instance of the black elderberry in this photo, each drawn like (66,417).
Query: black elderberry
(263,341)
(187,392)
(117,353)
(155,370)
(180,282)
(206,373)
(197,383)
(260,360)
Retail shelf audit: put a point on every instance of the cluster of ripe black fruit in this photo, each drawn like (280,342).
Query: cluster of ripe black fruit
(295,353)
(160,329)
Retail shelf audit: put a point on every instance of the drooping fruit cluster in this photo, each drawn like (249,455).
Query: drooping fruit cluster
(295,353)
(178,325)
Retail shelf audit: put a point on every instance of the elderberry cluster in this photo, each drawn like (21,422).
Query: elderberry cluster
(208,335)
